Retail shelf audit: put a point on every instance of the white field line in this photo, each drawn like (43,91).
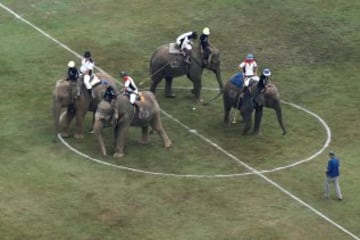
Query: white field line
(206,139)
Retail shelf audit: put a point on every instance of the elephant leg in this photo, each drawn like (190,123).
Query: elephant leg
(226,117)
(70,114)
(157,126)
(168,87)
(92,124)
(227,108)
(79,125)
(120,133)
(197,89)
(258,117)
(278,111)
(144,135)
(247,117)
(155,80)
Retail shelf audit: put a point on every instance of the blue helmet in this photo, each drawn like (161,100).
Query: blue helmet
(266,72)
(250,56)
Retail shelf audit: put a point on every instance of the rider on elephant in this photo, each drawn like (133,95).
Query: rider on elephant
(249,68)
(184,42)
(86,70)
(131,89)
(73,75)
(264,78)
(206,47)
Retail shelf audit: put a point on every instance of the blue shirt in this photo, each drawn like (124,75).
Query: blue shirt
(333,167)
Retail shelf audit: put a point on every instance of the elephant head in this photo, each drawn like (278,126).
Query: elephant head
(145,115)
(63,97)
(167,62)
(270,98)
(254,98)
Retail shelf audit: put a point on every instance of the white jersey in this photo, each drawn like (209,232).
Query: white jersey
(249,68)
(86,65)
(183,41)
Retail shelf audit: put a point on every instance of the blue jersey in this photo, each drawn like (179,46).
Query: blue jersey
(333,167)
(238,79)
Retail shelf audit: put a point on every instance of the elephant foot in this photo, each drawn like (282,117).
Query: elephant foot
(245,132)
(170,95)
(78,136)
(168,144)
(256,133)
(143,141)
(65,135)
(118,155)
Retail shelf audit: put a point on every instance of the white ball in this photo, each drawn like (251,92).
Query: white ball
(194,108)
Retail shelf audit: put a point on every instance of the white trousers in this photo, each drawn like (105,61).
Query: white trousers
(87,81)
(248,79)
(330,180)
(132,98)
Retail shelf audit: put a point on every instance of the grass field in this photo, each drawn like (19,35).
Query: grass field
(49,192)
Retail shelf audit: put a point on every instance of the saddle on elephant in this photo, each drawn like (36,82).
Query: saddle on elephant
(185,53)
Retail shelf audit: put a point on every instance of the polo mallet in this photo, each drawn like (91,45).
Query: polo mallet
(218,95)
(234,117)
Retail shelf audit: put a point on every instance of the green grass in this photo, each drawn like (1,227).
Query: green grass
(49,192)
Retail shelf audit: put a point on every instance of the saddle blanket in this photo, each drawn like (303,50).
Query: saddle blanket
(173,49)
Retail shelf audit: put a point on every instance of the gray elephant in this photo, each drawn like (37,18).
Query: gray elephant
(145,115)
(255,97)
(64,96)
(168,62)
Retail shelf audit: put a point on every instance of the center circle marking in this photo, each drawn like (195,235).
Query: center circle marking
(317,153)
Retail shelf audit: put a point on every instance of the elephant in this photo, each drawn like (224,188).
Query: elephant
(168,62)
(64,96)
(145,114)
(255,97)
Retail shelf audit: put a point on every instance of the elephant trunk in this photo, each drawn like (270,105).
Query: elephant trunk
(218,78)
(280,120)
(97,128)
(56,115)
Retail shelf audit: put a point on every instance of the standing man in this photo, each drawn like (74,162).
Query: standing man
(332,176)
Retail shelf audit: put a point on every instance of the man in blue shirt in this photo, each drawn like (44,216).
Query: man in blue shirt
(332,176)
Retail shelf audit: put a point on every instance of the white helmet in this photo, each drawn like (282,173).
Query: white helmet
(71,64)
(206,31)
(267,72)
